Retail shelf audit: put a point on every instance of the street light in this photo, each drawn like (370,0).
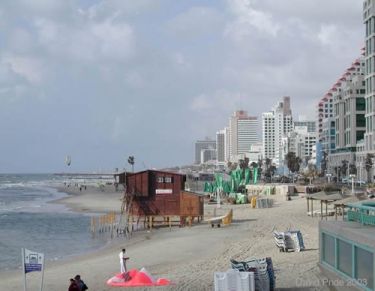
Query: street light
(352,176)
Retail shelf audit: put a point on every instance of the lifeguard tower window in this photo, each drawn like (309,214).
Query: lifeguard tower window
(168,179)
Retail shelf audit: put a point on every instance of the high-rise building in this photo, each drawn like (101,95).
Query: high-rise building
(227,144)
(243,133)
(208,155)
(283,125)
(268,135)
(276,124)
(325,110)
(349,114)
(203,145)
(220,146)
(311,125)
(369,21)
(302,141)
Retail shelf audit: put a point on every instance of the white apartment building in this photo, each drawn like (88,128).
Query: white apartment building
(276,124)
(254,155)
(325,111)
(283,125)
(367,146)
(302,142)
(369,21)
(243,133)
(268,135)
(349,115)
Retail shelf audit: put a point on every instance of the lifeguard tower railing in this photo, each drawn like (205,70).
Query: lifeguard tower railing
(362,212)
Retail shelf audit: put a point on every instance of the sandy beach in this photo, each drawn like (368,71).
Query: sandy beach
(188,256)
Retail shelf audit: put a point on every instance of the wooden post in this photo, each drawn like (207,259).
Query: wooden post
(326,210)
(170,223)
(336,212)
(321,209)
(308,206)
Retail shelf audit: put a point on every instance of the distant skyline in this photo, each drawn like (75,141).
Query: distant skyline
(103,80)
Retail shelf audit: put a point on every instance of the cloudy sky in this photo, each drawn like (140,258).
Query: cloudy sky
(102,80)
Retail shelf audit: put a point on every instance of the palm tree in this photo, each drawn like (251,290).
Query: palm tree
(293,162)
(131,162)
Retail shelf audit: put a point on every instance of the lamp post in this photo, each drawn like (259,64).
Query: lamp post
(352,176)
(360,172)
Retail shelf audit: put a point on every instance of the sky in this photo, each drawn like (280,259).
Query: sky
(103,80)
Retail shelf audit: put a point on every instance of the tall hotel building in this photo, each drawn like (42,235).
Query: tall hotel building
(243,133)
(268,135)
(220,146)
(369,21)
(276,124)
(348,95)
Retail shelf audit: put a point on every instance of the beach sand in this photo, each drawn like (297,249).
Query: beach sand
(188,256)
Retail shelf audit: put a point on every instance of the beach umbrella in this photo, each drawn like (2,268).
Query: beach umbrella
(226,187)
(255,175)
(206,187)
(247,176)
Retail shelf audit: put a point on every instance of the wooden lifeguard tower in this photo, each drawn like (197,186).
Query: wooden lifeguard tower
(153,194)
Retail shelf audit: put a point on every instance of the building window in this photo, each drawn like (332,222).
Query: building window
(160,179)
(364,261)
(168,179)
(360,120)
(360,104)
(328,249)
(345,257)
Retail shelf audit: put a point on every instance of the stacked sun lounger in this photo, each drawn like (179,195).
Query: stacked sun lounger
(264,276)
(264,202)
(234,280)
(298,240)
(289,241)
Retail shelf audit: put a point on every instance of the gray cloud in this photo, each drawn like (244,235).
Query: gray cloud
(102,80)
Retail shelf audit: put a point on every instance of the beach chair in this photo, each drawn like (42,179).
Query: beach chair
(289,240)
(283,241)
(225,219)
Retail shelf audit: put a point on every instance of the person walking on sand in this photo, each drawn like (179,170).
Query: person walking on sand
(123,259)
(73,286)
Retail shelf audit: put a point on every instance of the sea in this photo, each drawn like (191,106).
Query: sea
(28,220)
